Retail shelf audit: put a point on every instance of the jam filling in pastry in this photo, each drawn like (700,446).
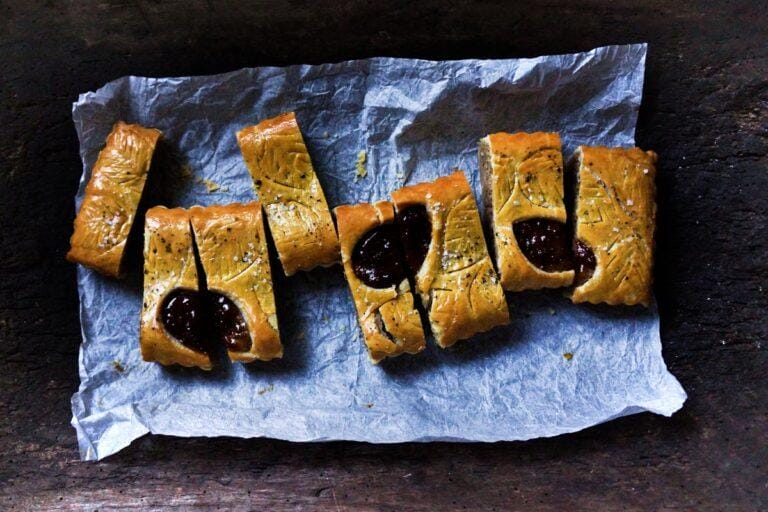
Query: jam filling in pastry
(112,198)
(522,175)
(233,252)
(173,328)
(375,267)
(445,249)
(615,220)
(293,199)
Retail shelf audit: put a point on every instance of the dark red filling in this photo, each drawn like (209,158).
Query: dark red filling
(584,262)
(545,243)
(188,316)
(229,323)
(377,259)
(182,314)
(415,235)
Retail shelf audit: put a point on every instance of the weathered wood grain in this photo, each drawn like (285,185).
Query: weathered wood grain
(705,112)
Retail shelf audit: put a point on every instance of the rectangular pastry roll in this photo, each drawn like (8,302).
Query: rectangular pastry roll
(522,176)
(172,327)
(445,248)
(615,221)
(112,198)
(293,199)
(376,273)
(233,253)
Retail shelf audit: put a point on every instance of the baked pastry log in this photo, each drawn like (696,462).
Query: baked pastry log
(172,328)
(112,197)
(445,248)
(293,199)
(376,273)
(615,222)
(522,175)
(233,252)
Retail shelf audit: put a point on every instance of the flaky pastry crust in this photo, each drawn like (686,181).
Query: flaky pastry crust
(522,177)
(232,247)
(379,310)
(169,263)
(457,282)
(297,212)
(616,217)
(112,198)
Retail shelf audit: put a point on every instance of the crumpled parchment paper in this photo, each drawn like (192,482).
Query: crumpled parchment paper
(556,368)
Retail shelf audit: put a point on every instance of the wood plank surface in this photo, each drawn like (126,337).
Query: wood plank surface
(705,112)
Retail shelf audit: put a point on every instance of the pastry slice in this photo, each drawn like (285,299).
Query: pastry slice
(173,329)
(112,197)
(233,253)
(615,221)
(376,273)
(293,200)
(522,175)
(445,249)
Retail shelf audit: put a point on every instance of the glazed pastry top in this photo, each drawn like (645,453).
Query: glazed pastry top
(112,197)
(380,290)
(523,182)
(293,199)
(615,218)
(457,282)
(232,247)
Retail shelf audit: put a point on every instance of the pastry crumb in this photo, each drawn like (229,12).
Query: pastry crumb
(568,356)
(369,405)
(267,389)
(117,366)
(360,170)
(326,134)
(552,311)
(301,335)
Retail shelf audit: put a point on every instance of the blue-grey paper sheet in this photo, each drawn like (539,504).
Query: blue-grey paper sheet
(556,368)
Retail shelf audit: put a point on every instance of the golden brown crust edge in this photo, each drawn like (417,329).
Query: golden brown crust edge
(112,197)
(457,282)
(616,218)
(232,246)
(522,176)
(169,263)
(288,188)
(394,306)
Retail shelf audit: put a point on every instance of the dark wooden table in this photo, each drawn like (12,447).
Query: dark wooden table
(705,111)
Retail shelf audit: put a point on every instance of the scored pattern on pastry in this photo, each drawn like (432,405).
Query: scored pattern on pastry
(522,176)
(375,270)
(297,212)
(615,219)
(112,198)
(172,329)
(456,280)
(233,251)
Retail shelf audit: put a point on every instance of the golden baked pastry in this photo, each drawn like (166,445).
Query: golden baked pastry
(445,248)
(615,221)
(376,273)
(233,252)
(293,199)
(522,175)
(172,315)
(112,197)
